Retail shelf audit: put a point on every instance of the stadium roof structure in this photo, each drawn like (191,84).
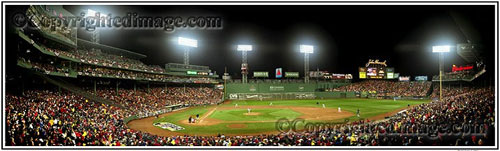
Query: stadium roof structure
(183,67)
(57,9)
(469,52)
(110,49)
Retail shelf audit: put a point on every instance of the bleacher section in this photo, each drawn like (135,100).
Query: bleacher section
(467,76)
(95,63)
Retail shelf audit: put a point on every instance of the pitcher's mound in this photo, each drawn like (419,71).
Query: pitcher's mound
(237,125)
(252,113)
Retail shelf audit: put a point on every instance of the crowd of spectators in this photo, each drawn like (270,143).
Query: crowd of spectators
(388,88)
(109,72)
(448,91)
(61,118)
(152,102)
(97,57)
(459,75)
(49,118)
(473,108)
(45,67)
(96,71)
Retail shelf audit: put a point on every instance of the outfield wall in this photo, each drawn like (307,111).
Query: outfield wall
(269,87)
(257,91)
(279,87)
(328,95)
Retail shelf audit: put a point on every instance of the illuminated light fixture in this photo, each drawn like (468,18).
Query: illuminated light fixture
(187,42)
(93,12)
(244,48)
(441,48)
(306,48)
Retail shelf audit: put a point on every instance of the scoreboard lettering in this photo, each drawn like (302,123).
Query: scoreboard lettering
(377,73)
(362,73)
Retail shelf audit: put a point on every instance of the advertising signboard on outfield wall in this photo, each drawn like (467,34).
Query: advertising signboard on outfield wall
(381,72)
(454,68)
(404,78)
(292,74)
(362,73)
(279,73)
(276,88)
(261,74)
(390,75)
(219,86)
(316,74)
(348,76)
(389,70)
(421,78)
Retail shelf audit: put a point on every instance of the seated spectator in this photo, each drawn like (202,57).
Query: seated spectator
(389,88)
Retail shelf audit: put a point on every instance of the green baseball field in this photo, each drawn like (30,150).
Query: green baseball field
(258,117)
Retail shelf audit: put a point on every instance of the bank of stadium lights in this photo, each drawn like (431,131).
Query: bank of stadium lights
(441,50)
(306,49)
(187,43)
(90,13)
(244,64)
(438,49)
(244,48)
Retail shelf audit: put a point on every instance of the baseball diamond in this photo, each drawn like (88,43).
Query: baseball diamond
(230,120)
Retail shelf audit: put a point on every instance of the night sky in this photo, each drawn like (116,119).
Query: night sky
(345,37)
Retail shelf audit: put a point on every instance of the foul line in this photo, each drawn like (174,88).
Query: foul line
(207,114)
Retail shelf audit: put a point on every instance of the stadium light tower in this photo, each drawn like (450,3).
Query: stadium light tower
(96,35)
(244,65)
(306,49)
(441,50)
(187,43)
